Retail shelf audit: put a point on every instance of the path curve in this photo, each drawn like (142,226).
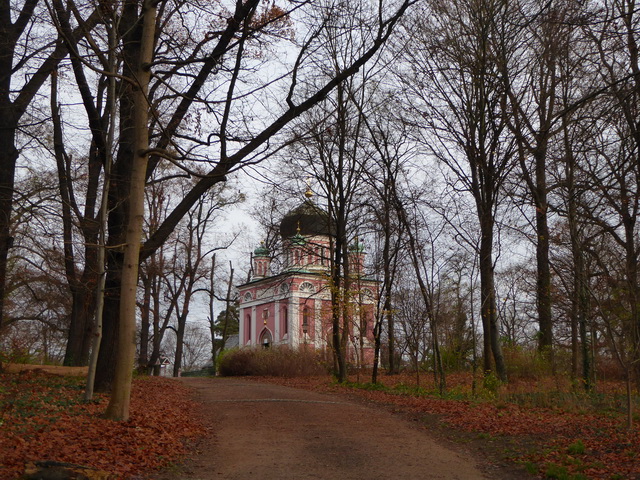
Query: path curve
(267,431)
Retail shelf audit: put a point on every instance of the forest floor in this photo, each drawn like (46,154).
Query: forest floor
(181,429)
(43,418)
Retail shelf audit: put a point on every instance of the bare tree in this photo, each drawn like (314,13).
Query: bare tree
(533,76)
(453,86)
(27,58)
(615,161)
(387,153)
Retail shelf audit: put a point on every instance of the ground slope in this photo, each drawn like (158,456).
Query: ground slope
(273,432)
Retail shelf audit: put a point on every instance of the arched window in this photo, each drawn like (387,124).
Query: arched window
(306,320)
(247,327)
(285,321)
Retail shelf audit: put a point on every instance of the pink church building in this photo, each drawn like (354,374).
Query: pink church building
(292,307)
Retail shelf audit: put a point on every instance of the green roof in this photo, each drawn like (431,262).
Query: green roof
(261,251)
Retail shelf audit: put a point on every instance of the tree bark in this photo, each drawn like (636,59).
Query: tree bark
(543,280)
(488,311)
(118,408)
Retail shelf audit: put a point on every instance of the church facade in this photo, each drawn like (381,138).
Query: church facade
(293,307)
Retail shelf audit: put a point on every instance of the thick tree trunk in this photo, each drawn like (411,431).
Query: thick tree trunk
(490,322)
(8,158)
(82,313)
(130,32)
(118,408)
(177,360)
(486,271)
(543,280)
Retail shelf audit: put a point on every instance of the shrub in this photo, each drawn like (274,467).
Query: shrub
(609,369)
(526,364)
(235,362)
(491,384)
(276,361)
(454,360)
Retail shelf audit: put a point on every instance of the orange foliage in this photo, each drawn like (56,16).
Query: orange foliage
(43,417)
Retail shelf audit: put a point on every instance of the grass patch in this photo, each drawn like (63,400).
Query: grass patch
(531,468)
(576,448)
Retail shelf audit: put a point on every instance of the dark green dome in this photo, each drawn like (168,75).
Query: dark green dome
(261,251)
(306,219)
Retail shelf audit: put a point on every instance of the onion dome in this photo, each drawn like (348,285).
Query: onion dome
(305,220)
(298,239)
(356,247)
(261,251)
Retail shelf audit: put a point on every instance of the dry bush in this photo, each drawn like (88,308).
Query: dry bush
(277,362)
(609,369)
(526,364)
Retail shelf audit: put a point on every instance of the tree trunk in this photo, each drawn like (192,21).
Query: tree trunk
(145,316)
(118,408)
(212,322)
(337,299)
(491,328)
(79,337)
(8,158)
(227,309)
(543,280)
(177,359)
(377,331)
(130,32)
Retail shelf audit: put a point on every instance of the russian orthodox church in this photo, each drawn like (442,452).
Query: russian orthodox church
(292,307)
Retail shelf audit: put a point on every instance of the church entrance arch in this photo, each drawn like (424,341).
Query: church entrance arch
(265,338)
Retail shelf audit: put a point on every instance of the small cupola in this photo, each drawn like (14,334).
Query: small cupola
(296,250)
(356,256)
(261,261)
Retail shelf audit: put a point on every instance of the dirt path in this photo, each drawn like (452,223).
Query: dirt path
(267,432)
